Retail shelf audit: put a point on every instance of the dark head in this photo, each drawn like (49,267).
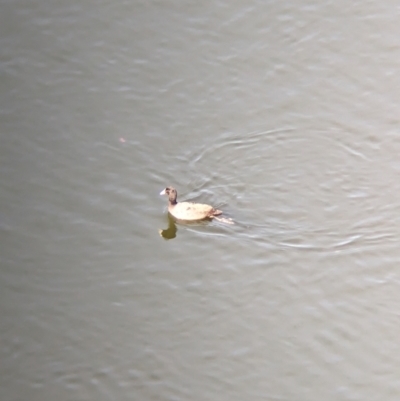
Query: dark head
(172,194)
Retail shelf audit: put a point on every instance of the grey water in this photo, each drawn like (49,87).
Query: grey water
(282,114)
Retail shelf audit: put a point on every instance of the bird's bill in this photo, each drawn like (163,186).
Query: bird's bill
(162,192)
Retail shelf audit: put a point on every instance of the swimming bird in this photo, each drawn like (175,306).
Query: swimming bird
(189,211)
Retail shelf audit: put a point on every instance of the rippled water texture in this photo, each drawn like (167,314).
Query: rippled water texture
(284,116)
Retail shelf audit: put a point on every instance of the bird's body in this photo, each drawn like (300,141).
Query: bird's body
(188,211)
(192,211)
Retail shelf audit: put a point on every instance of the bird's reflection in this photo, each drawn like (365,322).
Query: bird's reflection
(170,232)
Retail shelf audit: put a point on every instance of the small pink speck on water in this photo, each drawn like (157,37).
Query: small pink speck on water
(122,140)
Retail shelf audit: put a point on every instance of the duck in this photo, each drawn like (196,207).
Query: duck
(189,211)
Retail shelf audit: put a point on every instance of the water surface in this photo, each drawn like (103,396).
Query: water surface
(283,115)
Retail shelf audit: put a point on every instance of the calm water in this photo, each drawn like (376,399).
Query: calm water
(284,115)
